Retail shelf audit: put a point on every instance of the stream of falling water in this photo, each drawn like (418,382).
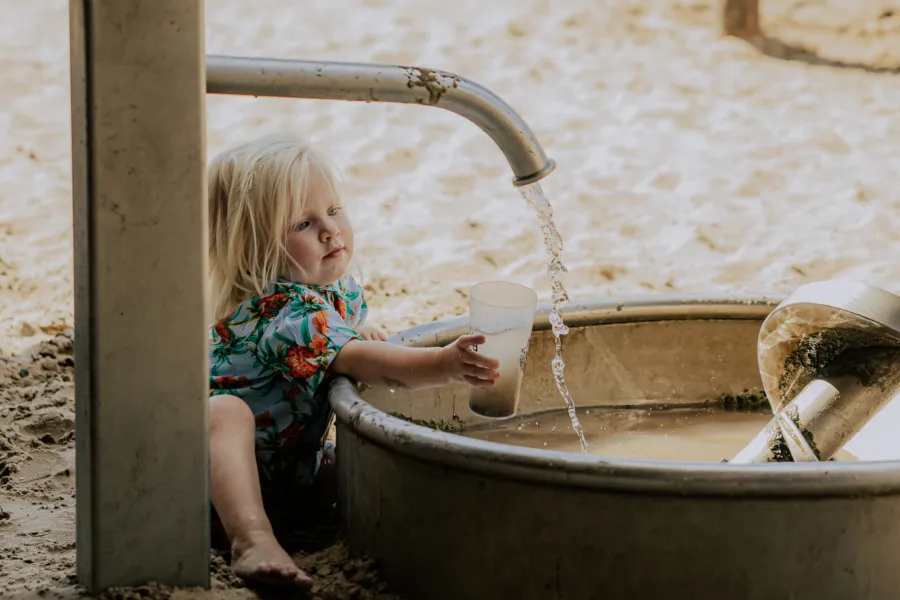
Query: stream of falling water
(553,243)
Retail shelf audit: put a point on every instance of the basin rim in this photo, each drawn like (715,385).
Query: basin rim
(567,469)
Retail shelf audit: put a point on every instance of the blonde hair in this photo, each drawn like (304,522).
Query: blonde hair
(256,191)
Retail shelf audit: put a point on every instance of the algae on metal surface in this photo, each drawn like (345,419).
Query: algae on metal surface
(817,350)
(873,367)
(744,400)
(869,356)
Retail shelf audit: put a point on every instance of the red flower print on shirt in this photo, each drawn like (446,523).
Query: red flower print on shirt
(230,382)
(298,364)
(223,331)
(340,306)
(264,420)
(269,306)
(319,345)
(320,320)
(310,301)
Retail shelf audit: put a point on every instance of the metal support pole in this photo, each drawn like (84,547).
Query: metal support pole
(139,164)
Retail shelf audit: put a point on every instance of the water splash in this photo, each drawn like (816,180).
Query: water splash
(553,243)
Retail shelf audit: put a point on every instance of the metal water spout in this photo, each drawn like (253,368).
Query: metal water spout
(386,83)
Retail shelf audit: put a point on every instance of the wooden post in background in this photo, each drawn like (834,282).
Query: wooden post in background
(740,18)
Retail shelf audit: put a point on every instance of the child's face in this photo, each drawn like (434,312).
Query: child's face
(321,241)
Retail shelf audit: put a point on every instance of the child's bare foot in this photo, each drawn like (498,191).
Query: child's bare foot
(259,558)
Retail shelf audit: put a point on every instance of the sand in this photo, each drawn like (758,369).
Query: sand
(37,499)
(687,163)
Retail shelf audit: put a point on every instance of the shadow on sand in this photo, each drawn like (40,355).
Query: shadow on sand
(776,48)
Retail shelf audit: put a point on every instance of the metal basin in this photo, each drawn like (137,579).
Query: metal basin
(452,517)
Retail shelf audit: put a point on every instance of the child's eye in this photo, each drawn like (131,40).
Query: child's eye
(302,226)
(333,211)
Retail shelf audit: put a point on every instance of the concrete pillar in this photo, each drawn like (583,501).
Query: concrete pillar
(138,135)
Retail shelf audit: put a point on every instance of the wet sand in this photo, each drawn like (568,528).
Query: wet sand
(37,498)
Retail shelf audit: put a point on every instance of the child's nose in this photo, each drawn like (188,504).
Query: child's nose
(329,231)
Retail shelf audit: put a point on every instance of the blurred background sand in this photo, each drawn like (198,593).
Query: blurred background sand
(687,162)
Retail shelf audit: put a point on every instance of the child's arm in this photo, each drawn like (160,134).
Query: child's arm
(380,363)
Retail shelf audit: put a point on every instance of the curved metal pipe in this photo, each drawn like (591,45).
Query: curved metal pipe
(386,83)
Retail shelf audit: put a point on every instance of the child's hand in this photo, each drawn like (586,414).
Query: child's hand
(460,363)
(372,334)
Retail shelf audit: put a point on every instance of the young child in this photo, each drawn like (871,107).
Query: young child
(287,316)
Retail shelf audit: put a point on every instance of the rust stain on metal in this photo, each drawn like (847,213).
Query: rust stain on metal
(435,82)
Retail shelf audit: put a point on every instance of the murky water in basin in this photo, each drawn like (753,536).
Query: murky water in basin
(699,433)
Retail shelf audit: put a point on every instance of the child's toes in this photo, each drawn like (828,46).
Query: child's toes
(303,580)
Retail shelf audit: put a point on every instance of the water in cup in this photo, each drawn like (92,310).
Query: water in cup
(502,398)
(504,314)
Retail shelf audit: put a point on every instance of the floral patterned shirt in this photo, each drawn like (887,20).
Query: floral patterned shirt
(274,352)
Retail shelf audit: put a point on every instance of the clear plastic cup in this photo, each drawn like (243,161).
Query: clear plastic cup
(504,314)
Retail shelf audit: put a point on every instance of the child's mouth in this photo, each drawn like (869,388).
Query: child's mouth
(335,253)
